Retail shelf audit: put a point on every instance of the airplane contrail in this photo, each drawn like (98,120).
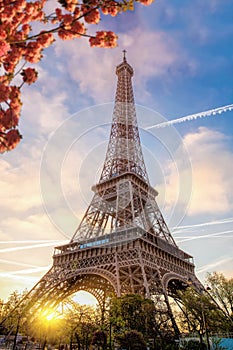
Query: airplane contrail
(30,241)
(24,272)
(181,229)
(6,250)
(209,235)
(214,264)
(204,114)
(16,263)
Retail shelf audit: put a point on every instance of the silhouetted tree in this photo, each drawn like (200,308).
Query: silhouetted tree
(132,340)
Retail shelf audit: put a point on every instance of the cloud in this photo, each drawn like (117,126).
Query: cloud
(221,264)
(93,68)
(27,233)
(17,193)
(50,109)
(163,53)
(195,18)
(212,166)
(27,244)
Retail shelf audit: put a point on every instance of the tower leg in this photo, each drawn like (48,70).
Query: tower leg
(145,282)
(118,291)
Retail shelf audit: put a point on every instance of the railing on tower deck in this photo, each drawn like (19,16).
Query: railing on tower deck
(164,245)
(120,236)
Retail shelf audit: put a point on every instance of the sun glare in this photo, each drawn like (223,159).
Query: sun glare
(50,316)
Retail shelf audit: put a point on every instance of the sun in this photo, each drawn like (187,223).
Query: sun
(51,316)
(48,315)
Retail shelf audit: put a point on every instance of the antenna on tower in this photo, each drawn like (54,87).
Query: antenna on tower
(124,55)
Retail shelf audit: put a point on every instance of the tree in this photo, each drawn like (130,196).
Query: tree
(132,312)
(71,324)
(132,340)
(221,290)
(47,327)
(3,328)
(100,339)
(21,42)
(13,319)
(79,324)
(200,314)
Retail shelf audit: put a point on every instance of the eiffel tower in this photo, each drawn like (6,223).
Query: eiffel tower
(122,244)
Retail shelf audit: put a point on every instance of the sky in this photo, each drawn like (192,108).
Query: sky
(182,55)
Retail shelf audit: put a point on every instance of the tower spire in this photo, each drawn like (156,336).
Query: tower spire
(124,152)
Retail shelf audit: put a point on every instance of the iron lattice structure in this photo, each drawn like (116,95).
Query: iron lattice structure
(122,244)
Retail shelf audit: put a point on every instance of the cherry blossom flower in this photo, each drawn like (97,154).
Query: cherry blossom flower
(9,119)
(92,17)
(110,8)
(4,92)
(13,137)
(4,48)
(146,2)
(104,39)
(29,75)
(20,43)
